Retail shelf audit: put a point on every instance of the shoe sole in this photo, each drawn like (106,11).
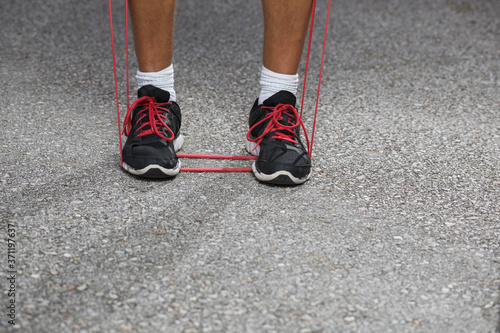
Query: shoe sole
(278,177)
(155,170)
(250,146)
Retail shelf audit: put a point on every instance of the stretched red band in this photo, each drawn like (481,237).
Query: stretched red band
(216,169)
(231,157)
(220,157)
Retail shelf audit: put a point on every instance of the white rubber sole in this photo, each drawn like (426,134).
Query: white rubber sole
(158,169)
(178,142)
(250,147)
(154,167)
(279,177)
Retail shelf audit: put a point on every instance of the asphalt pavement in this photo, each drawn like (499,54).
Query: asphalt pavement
(397,231)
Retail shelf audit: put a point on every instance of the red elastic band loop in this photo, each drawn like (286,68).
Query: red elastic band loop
(234,157)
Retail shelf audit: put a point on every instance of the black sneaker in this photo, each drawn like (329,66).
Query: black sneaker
(152,126)
(274,138)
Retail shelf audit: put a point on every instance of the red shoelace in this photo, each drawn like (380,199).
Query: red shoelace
(156,118)
(281,131)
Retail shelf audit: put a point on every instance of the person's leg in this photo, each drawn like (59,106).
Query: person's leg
(285,29)
(274,122)
(153,27)
(153,122)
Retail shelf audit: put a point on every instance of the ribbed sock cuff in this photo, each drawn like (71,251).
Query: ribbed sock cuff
(272,82)
(163,79)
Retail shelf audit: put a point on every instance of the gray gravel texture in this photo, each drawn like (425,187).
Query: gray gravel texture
(397,231)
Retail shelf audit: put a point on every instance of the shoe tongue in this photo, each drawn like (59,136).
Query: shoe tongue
(160,95)
(281,97)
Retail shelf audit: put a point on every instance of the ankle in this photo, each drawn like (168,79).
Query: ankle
(272,82)
(163,79)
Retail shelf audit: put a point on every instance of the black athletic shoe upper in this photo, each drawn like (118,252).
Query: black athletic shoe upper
(151,125)
(274,127)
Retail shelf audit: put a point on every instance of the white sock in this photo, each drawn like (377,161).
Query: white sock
(163,79)
(271,83)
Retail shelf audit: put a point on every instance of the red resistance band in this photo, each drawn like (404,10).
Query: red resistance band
(229,157)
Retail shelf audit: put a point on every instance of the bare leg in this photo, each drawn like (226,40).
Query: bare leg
(153,27)
(285,29)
